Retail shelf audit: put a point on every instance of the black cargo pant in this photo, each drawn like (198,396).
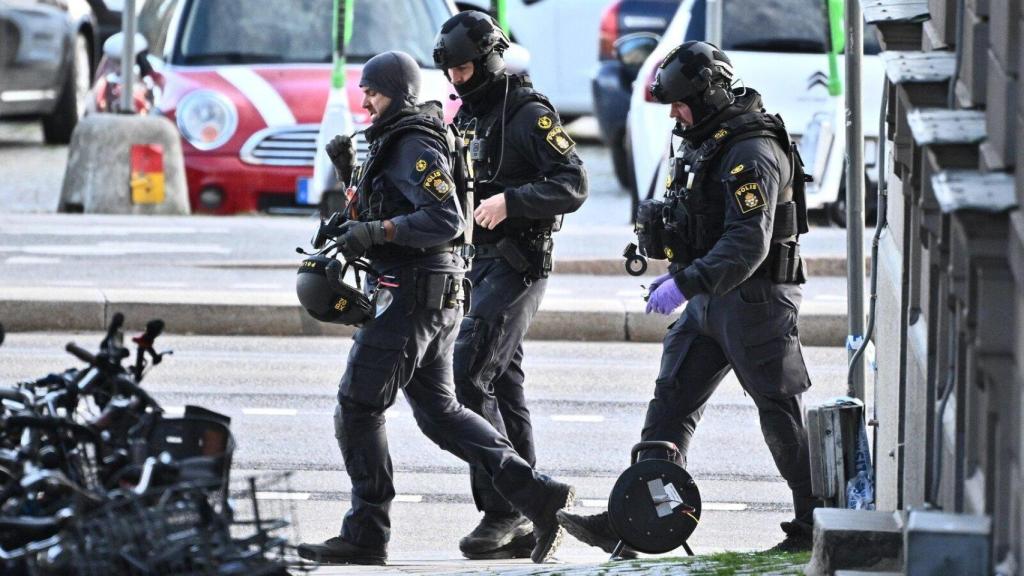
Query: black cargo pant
(489,363)
(410,347)
(752,330)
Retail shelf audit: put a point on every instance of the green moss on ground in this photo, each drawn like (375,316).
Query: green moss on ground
(730,563)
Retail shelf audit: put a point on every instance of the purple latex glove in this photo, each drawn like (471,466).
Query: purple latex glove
(654,285)
(665,298)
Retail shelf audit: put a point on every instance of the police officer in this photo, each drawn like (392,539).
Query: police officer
(527,174)
(407,223)
(735,199)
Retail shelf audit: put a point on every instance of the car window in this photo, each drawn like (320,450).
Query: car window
(240,31)
(772,26)
(154,17)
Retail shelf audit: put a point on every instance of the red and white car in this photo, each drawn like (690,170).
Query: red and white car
(247,83)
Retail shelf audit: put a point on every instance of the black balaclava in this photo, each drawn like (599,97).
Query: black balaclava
(396,75)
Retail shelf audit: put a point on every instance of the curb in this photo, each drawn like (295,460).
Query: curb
(816,265)
(278,314)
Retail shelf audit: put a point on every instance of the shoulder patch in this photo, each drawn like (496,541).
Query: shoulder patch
(720,134)
(439,184)
(749,197)
(560,140)
(544,122)
(746,188)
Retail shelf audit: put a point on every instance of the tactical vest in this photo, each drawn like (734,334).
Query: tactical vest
(484,137)
(377,199)
(697,203)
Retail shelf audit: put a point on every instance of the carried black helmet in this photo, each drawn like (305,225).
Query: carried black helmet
(472,36)
(326,297)
(697,74)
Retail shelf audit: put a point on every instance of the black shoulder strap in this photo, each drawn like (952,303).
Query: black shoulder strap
(462,174)
(386,140)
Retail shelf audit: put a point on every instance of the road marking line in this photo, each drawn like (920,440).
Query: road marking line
(413,498)
(162,284)
(283,495)
(72,283)
(723,506)
(270,411)
(256,286)
(31,260)
(577,418)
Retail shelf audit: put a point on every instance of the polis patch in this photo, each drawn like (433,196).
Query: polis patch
(749,197)
(559,140)
(439,184)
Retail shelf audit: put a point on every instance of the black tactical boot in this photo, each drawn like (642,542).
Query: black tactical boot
(799,537)
(546,528)
(338,551)
(492,539)
(595,530)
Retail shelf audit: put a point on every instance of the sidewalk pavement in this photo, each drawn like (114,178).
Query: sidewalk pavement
(581,308)
(235,276)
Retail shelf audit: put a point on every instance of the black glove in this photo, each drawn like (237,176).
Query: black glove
(358,237)
(342,152)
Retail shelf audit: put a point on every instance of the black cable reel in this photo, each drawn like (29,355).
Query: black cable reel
(636,263)
(655,505)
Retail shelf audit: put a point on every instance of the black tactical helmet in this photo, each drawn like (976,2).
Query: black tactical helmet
(323,294)
(471,36)
(697,74)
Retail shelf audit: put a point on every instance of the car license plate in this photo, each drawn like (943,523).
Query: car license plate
(302,189)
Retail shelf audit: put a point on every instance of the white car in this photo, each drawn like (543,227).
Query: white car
(777,47)
(562,37)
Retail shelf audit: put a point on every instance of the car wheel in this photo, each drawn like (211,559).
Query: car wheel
(634,194)
(620,161)
(837,210)
(58,126)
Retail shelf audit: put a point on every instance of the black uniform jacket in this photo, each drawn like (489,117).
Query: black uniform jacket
(749,210)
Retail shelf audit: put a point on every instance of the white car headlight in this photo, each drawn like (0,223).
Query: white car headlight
(207,119)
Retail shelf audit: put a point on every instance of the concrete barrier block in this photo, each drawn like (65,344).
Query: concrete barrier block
(855,540)
(27,309)
(98,173)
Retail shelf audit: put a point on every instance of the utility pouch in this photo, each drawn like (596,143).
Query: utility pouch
(455,293)
(513,254)
(433,291)
(467,295)
(539,256)
(786,266)
(650,229)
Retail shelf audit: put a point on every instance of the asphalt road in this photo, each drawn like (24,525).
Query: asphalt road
(588,402)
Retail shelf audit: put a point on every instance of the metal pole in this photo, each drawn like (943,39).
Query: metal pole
(713,22)
(128,57)
(855,191)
